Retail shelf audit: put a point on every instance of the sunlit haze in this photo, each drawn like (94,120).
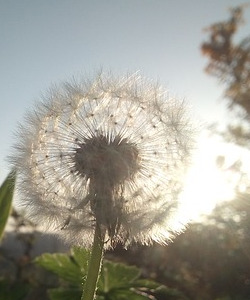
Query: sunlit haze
(206,184)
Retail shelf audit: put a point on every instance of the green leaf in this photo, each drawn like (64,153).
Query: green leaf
(81,257)
(150,287)
(63,265)
(119,281)
(6,195)
(169,293)
(127,294)
(116,276)
(65,294)
(145,283)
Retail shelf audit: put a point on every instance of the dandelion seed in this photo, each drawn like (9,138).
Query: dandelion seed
(110,152)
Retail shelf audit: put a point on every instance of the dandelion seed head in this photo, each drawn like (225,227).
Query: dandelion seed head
(107,151)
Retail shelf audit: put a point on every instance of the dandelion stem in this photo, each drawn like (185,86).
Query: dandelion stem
(94,265)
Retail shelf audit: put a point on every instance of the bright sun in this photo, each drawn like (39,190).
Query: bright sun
(206,185)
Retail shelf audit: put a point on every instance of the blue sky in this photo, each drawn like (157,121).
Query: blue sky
(46,41)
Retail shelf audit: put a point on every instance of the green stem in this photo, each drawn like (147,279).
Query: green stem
(94,265)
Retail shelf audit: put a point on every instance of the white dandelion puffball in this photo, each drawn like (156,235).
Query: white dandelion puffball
(106,151)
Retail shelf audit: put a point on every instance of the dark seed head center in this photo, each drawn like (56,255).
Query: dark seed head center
(101,158)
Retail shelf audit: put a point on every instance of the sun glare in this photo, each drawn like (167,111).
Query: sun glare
(206,185)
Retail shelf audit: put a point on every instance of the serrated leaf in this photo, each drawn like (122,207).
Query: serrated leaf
(170,293)
(121,294)
(116,275)
(64,294)
(6,196)
(81,257)
(145,283)
(63,265)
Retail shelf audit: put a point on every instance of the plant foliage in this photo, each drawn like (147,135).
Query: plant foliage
(6,195)
(117,280)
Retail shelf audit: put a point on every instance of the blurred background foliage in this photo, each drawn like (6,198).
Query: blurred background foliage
(211,259)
